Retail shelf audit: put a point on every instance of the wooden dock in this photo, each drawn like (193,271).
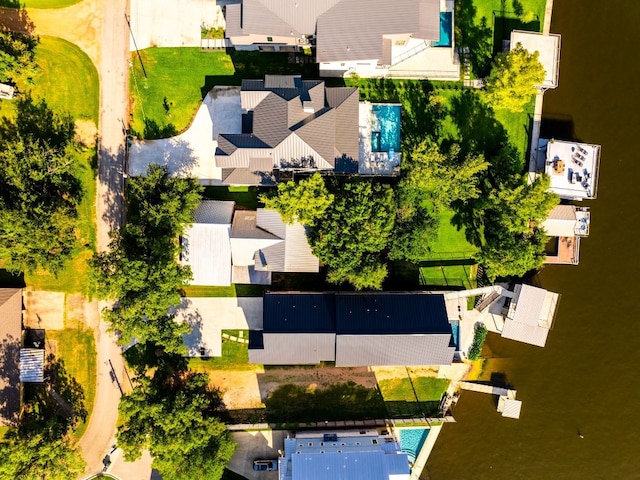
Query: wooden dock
(490,389)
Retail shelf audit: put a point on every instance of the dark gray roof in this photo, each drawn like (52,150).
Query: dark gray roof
(296,124)
(214,211)
(353,29)
(299,312)
(391,313)
(245,226)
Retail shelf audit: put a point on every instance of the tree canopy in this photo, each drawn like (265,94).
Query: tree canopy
(39,189)
(301,202)
(17,58)
(513,78)
(141,269)
(351,234)
(174,414)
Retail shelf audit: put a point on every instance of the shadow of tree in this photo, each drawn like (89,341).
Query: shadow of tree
(154,130)
(9,378)
(478,38)
(14,18)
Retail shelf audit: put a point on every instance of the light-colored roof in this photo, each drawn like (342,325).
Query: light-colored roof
(578,160)
(353,29)
(509,408)
(214,211)
(567,221)
(32,365)
(549,48)
(393,350)
(530,315)
(247,275)
(295,349)
(206,248)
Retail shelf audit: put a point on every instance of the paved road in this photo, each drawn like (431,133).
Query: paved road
(113,69)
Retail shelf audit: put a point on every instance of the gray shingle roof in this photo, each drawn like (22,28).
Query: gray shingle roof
(214,211)
(353,29)
(298,124)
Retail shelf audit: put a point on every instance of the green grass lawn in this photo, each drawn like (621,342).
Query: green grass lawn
(452,242)
(49,3)
(235,356)
(449,276)
(231,291)
(426,389)
(486,8)
(74,278)
(173,88)
(76,347)
(67,79)
(246,197)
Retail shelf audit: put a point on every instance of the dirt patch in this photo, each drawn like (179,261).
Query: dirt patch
(44,310)
(86,132)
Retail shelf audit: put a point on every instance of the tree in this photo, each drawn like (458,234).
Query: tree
(17,58)
(303,202)
(39,457)
(353,231)
(514,244)
(174,415)
(432,181)
(39,189)
(513,79)
(141,269)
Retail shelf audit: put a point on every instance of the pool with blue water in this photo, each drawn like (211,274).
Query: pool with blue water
(412,440)
(385,128)
(455,331)
(446,24)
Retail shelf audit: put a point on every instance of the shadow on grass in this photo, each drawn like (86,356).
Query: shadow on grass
(478,38)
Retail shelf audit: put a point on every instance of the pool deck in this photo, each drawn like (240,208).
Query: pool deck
(373,163)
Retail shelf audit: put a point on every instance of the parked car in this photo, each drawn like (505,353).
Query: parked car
(265,465)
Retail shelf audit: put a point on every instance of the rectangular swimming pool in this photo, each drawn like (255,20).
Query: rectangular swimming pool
(412,440)
(446,23)
(385,127)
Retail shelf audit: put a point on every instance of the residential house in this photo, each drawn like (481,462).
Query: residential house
(566,225)
(352,455)
(225,246)
(10,342)
(290,124)
(353,329)
(372,38)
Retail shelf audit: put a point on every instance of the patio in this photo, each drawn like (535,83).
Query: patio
(572,167)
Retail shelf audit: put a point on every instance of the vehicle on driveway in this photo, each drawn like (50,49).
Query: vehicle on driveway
(265,465)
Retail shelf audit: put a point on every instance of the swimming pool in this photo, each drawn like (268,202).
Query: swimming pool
(385,127)
(446,21)
(455,330)
(411,441)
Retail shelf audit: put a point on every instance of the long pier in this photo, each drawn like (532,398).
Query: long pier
(490,389)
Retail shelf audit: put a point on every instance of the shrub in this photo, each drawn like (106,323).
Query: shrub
(478,340)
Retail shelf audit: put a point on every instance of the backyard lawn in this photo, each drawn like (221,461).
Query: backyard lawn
(49,3)
(421,389)
(235,356)
(76,347)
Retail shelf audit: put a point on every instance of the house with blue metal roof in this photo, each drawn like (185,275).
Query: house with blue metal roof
(353,329)
(345,455)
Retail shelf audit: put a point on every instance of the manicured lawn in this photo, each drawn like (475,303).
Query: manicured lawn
(452,242)
(67,79)
(246,197)
(518,126)
(76,347)
(486,8)
(74,277)
(173,88)
(449,276)
(426,389)
(235,356)
(49,3)
(232,291)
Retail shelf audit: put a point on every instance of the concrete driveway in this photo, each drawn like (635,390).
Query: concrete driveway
(254,445)
(172,23)
(192,152)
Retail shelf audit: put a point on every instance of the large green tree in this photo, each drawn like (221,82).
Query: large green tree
(17,58)
(513,79)
(353,231)
(302,201)
(39,189)
(39,457)
(141,269)
(174,414)
(431,181)
(513,242)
